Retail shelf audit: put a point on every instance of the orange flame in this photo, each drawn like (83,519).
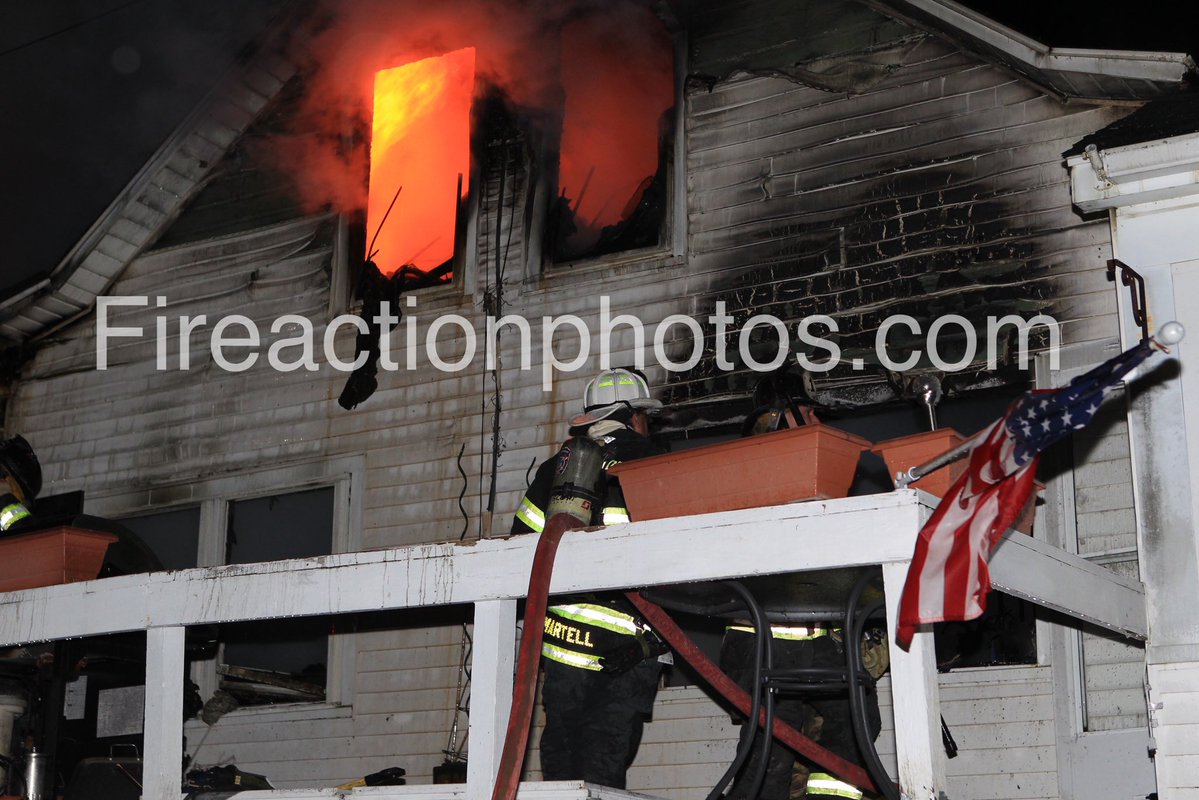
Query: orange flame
(420,141)
(610,127)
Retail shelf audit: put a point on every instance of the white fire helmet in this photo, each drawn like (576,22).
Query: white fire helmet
(613,390)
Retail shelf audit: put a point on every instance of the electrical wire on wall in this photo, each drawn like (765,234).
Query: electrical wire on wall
(455,746)
(462,494)
(493,301)
(454,758)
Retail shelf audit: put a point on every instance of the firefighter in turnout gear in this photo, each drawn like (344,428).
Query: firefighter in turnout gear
(22,475)
(822,716)
(600,659)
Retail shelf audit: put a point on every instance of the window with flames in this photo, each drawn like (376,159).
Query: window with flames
(608,135)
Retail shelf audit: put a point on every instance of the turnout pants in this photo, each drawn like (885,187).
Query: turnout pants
(593,721)
(824,718)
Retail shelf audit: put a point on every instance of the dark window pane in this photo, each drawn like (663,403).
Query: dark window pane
(296,525)
(173,536)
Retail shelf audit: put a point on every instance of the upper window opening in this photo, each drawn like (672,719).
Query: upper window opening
(420,148)
(618,88)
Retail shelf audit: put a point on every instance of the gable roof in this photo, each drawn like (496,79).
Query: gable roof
(178,170)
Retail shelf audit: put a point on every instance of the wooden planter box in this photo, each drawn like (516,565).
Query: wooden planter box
(808,463)
(909,451)
(45,558)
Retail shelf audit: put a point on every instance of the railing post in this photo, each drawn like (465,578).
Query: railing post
(163,731)
(493,661)
(916,701)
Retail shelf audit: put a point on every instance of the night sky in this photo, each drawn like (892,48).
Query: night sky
(91,88)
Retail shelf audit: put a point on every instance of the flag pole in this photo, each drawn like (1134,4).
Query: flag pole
(1169,334)
(902,479)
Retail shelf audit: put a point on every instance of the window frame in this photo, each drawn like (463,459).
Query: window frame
(540,264)
(345,475)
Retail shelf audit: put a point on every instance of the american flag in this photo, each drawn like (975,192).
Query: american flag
(948,578)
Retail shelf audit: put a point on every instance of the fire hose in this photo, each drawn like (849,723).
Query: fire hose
(682,644)
(517,737)
(507,779)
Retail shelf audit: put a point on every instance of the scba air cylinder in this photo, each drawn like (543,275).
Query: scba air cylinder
(578,480)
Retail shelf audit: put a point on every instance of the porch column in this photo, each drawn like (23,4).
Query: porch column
(163,730)
(493,662)
(916,701)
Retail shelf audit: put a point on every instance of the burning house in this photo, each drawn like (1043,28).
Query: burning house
(280,359)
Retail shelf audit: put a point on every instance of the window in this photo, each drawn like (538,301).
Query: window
(419,165)
(295,512)
(612,161)
(282,659)
(273,660)
(174,536)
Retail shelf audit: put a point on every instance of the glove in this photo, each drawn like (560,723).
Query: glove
(875,655)
(624,657)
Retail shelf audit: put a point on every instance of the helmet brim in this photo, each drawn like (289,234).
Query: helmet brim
(646,404)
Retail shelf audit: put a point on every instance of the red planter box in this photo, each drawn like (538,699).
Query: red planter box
(45,558)
(910,451)
(808,463)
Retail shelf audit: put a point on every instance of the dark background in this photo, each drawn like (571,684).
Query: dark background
(90,88)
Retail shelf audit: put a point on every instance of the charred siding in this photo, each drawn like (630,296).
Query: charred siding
(939,190)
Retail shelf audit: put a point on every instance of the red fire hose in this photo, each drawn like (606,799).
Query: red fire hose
(507,779)
(517,738)
(681,643)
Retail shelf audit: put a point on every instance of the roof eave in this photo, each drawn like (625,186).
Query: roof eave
(1041,63)
(1164,169)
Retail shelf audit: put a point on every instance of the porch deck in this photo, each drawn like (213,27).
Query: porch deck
(493,575)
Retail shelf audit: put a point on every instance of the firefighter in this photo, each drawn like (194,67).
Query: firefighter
(822,716)
(600,659)
(23,479)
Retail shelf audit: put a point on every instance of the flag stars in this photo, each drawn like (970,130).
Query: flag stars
(1066,417)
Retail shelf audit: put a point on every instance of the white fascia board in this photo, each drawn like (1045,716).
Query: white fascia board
(847,532)
(817,535)
(1134,64)
(1163,169)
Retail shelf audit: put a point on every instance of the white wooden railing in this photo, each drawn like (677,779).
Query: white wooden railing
(493,575)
